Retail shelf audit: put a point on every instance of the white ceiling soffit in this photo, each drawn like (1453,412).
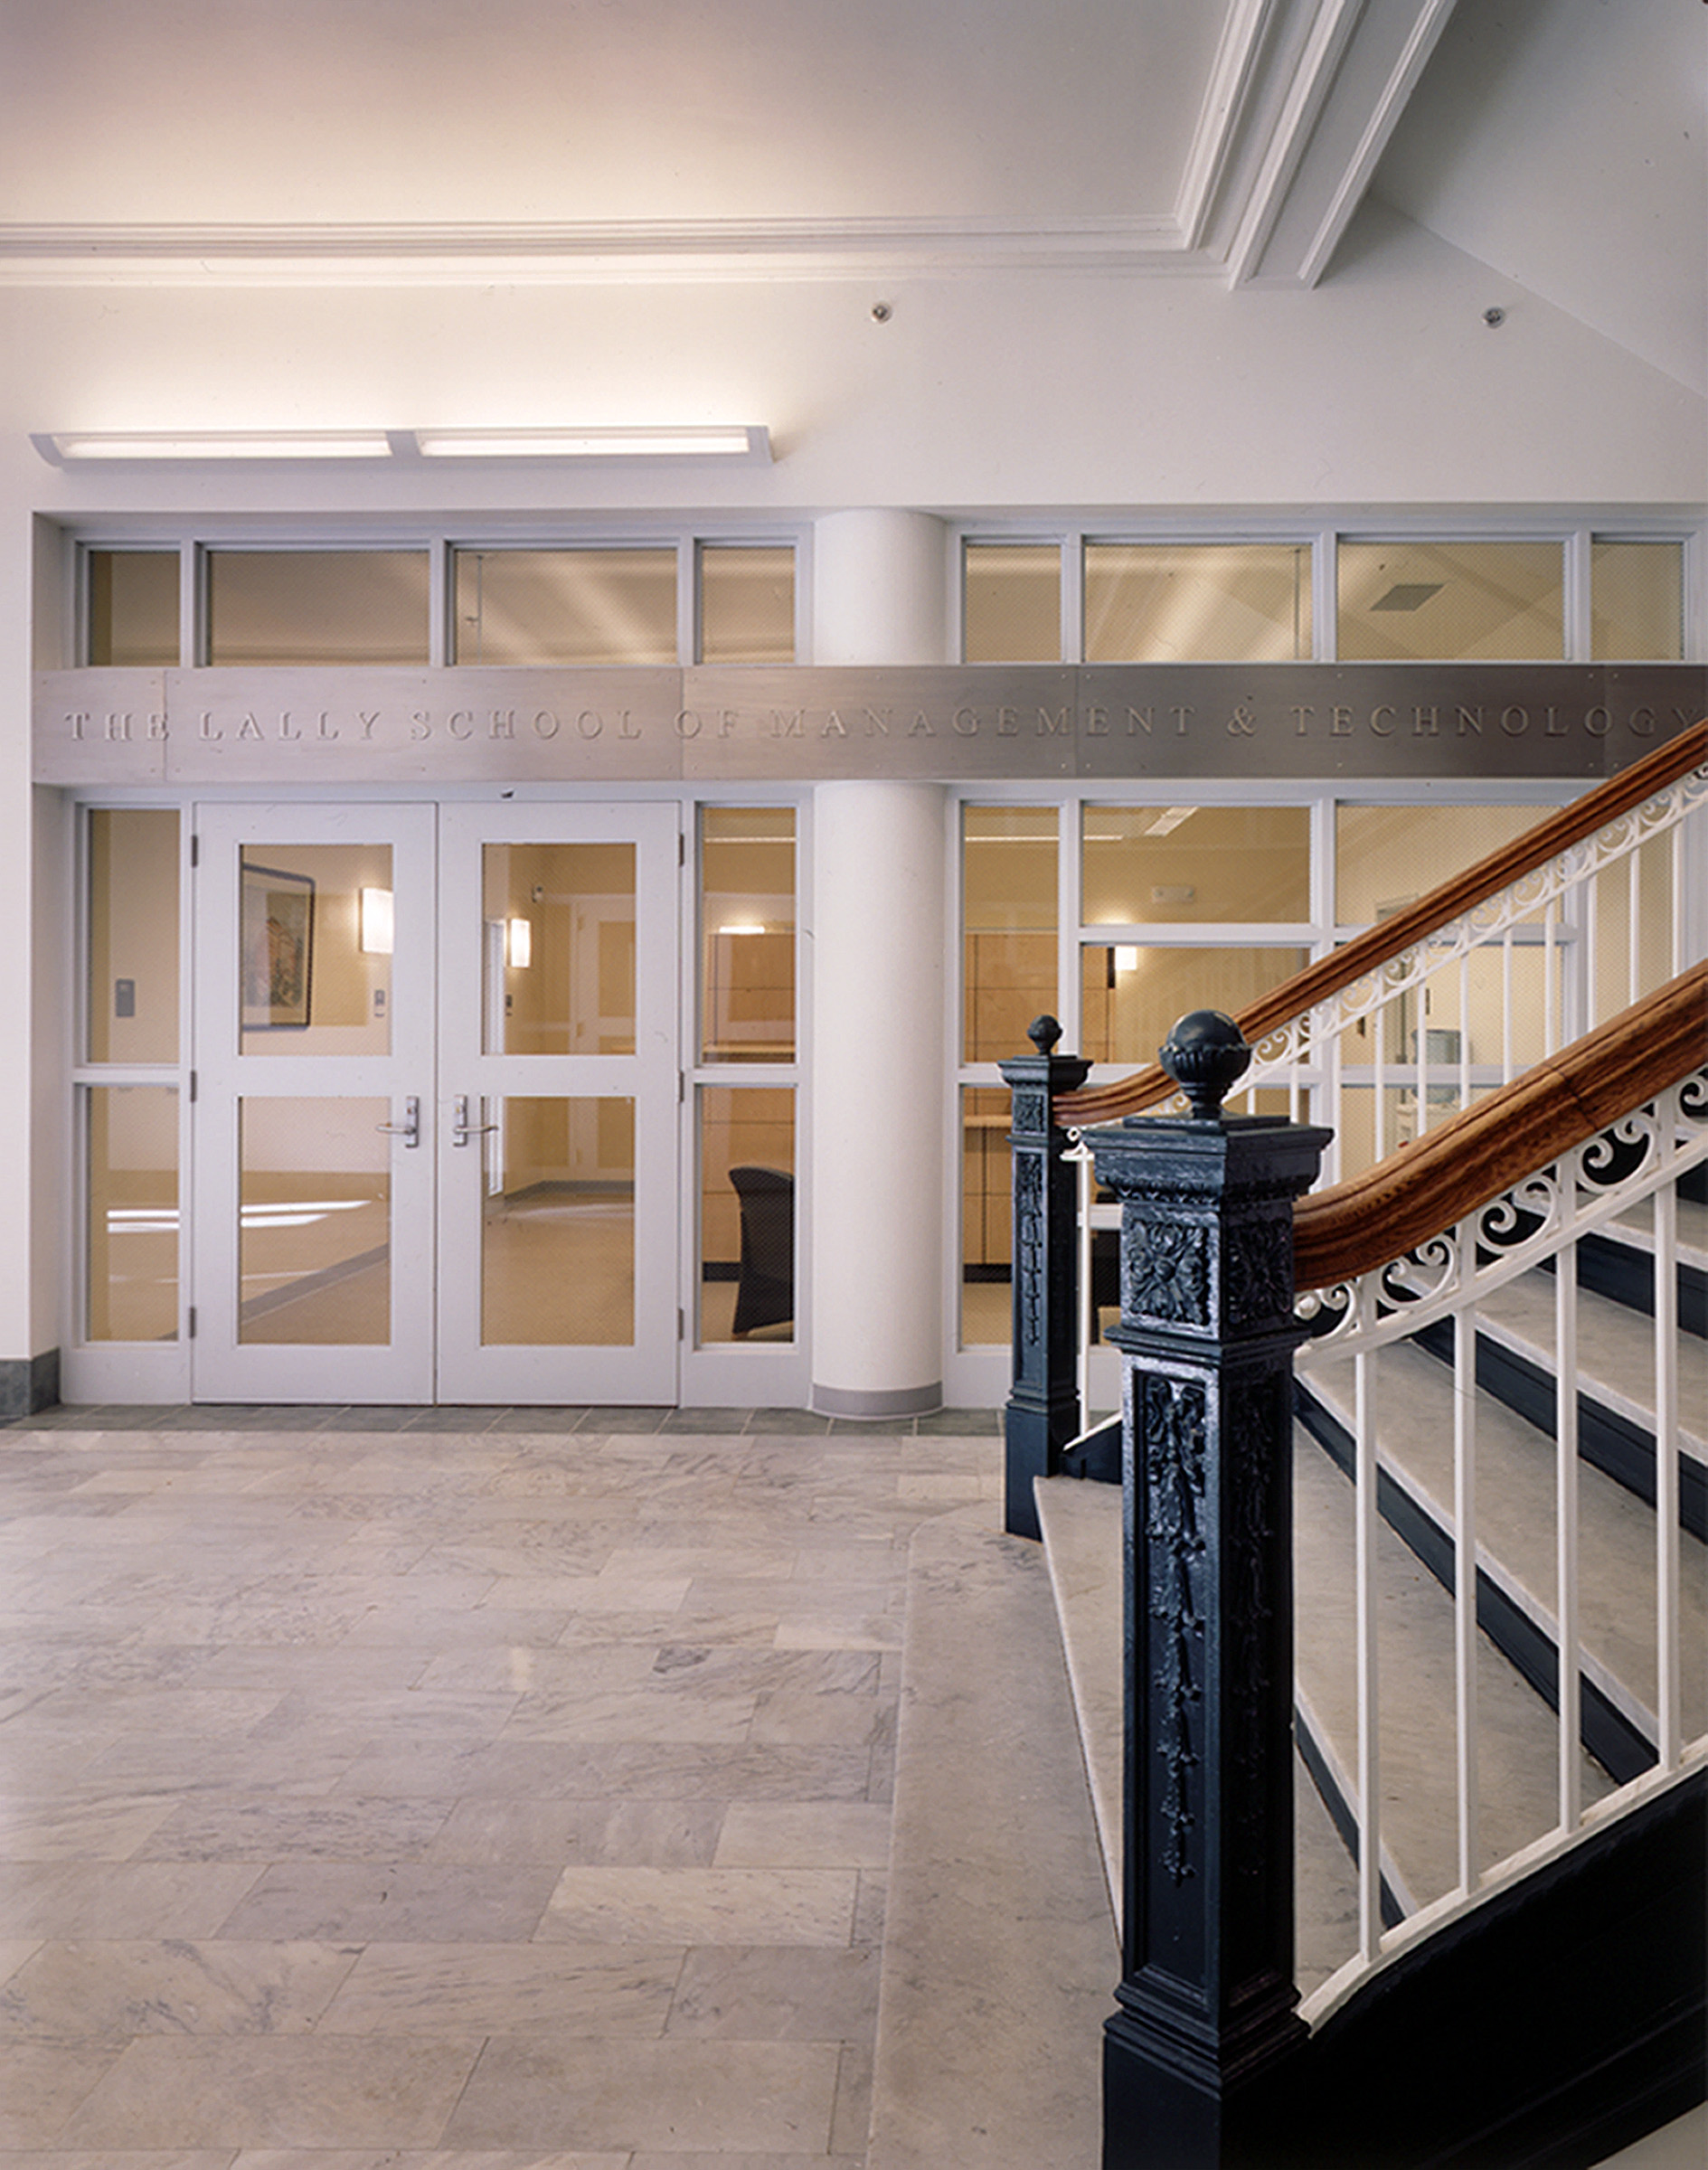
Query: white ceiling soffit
(1232,139)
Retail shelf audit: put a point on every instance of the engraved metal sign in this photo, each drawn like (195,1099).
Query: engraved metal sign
(948,723)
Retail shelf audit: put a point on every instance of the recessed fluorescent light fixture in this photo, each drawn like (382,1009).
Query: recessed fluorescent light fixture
(63,445)
(735,441)
(707,441)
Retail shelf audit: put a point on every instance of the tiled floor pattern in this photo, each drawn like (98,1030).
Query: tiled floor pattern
(450,1789)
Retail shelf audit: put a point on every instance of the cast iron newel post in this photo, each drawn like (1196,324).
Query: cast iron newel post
(1197,2060)
(1043,1415)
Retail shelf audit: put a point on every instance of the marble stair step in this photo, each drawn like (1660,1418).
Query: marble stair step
(1636,1226)
(1515,1490)
(1000,1957)
(1517,1735)
(1615,1354)
(1081,1525)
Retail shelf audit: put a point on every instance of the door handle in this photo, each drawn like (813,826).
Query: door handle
(462,1129)
(410,1129)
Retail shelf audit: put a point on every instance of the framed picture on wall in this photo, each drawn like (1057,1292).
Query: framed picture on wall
(277,957)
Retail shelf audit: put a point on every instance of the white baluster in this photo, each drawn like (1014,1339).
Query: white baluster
(1565,1373)
(1369,1753)
(1669,1703)
(1465,1564)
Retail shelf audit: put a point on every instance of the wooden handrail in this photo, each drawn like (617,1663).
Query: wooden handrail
(1428,1186)
(1622,794)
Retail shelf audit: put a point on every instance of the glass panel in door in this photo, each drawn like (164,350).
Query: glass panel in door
(557,1083)
(314,1159)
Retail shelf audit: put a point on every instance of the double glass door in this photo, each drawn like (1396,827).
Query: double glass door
(437,1104)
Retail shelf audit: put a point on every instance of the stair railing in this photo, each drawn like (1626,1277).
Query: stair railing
(1208,2060)
(1512,1185)
(1550,891)
(1355,1021)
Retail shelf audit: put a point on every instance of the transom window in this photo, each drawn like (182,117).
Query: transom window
(1094,600)
(583,605)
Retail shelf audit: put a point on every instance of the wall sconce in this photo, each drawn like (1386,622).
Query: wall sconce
(519,944)
(741,927)
(1127,957)
(376,922)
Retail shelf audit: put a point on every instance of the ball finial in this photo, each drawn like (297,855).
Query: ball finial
(1043,1033)
(1205,1054)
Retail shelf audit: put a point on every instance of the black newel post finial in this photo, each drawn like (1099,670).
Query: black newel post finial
(1206,1056)
(1043,1415)
(1199,2058)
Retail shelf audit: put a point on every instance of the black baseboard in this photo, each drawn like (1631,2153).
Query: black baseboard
(1560,2021)
(29,1383)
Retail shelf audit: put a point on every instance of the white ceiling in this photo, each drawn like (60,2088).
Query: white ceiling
(1560,141)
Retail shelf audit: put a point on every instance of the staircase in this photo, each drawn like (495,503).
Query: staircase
(1524,1783)
(1497,1590)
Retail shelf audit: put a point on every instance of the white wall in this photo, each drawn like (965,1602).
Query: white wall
(1024,390)
(997,395)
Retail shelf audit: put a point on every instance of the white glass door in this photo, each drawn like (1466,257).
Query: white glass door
(557,1113)
(312,1153)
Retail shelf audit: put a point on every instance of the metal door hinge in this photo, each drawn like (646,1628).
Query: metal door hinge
(196,850)
(190,1328)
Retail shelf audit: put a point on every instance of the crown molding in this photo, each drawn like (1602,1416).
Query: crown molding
(1297,103)
(351,253)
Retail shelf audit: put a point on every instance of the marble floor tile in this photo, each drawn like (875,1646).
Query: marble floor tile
(789,1993)
(647,2158)
(469,1790)
(307,2092)
(769,2097)
(438,1904)
(856,1720)
(123,2158)
(850,2121)
(663,1833)
(265,1828)
(91,1994)
(652,1712)
(701,1906)
(121,1900)
(96,1827)
(507,1989)
(636,1770)
(41,2086)
(804,1834)
(395,2158)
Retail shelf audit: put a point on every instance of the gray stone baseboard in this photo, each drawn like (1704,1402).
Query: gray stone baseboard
(28,1383)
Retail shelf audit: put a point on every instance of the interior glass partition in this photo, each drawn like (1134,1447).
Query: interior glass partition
(130,1225)
(745,1147)
(131,607)
(1197,602)
(282,607)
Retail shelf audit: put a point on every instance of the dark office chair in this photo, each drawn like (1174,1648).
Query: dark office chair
(765,1293)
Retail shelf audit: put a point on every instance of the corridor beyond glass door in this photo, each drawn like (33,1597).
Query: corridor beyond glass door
(557,1097)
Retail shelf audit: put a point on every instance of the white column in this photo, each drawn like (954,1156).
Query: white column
(879,588)
(879,1109)
(880,973)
